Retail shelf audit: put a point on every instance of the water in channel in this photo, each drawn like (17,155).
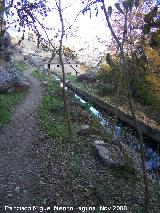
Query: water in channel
(123,130)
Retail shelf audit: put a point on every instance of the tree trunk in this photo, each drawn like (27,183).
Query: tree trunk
(2,27)
(125,155)
(66,105)
(116,114)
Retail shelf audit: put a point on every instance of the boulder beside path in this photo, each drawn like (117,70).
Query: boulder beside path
(110,155)
(12,80)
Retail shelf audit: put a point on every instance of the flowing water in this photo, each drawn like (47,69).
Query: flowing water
(124,131)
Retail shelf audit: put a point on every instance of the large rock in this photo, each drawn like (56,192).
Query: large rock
(110,156)
(12,80)
(5,54)
(34,60)
(86,130)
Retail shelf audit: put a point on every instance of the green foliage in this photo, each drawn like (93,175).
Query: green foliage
(55,126)
(71,78)
(143,93)
(20,65)
(108,73)
(52,112)
(8,100)
(106,68)
(145,81)
(53,89)
(53,104)
(38,75)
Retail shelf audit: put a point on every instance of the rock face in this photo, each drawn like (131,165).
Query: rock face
(110,156)
(5,43)
(35,60)
(12,80)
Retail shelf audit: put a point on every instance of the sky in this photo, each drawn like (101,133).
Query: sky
(84,34)
(85,30)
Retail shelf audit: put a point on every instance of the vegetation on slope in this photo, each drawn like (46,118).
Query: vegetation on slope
(84,179)
(7,101)
(20,65)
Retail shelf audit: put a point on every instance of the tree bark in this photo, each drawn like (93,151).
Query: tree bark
(2,27)
(66,105)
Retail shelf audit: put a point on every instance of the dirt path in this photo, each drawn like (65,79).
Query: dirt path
(19,181)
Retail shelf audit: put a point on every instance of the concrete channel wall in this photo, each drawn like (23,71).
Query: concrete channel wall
(146,130)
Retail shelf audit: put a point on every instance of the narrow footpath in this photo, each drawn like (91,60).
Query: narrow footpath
(18,167)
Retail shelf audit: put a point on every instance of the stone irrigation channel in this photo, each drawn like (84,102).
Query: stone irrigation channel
(154,134)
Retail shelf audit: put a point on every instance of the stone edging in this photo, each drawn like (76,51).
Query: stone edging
(146,130)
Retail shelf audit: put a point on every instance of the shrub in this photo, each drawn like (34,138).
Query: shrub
(106,68)
(143,93)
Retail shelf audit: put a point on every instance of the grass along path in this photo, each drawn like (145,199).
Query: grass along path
(75,177)
(7,102)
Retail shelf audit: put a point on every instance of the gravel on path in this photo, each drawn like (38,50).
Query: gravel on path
(18,166)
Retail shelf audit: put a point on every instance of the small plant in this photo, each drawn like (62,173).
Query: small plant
(52,112)
(38,75)
(20,65)
(8,100)
(71,78)
(144,94)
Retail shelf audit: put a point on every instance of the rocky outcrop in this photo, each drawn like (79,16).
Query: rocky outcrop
(35,60)
(5,55)
(12,80)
